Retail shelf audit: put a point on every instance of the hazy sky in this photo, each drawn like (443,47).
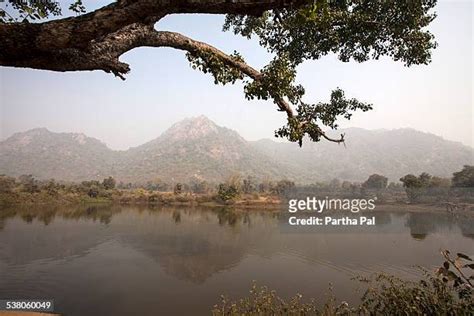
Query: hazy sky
(162,89)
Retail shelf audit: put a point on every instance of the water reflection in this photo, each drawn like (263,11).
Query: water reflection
(154,256)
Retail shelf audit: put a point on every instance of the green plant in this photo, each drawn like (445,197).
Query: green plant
(454,271)
(447,292)
(227,192)
(109,183)
(389,295)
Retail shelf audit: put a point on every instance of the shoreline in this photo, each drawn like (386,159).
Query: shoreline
(272,203)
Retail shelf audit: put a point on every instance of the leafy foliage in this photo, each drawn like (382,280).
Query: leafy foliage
(30,10)
(209,63)
(263,301)
(277,81)
(227,192)
(178,188)
(453,271)
(357,30)
(384,295)
(309,117)
(7,184)
(376,181)
(109,183)
(29,184)
(389,295)
(416,186)
(464,178)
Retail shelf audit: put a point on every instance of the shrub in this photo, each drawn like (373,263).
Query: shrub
(448,292)
(7,184)
(375,181)
(29,184)
(464,178)
(109,183)
(178,188)
(227,192)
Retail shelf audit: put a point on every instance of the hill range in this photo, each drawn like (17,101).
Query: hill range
(197,148)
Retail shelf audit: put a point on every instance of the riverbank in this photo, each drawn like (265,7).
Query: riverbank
(242,201)
(140,197)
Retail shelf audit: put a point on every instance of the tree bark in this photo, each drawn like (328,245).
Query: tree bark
(79,43)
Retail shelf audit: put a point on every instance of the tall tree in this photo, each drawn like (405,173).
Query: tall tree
(292,30)
(376,181)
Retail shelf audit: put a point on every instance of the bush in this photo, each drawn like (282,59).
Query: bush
(29,184)
(375,181)
(464,178)
(447,292)
(7,184)
(227,192)
(93,192)
(262,301)
(178,188)
(388,295)
(109,183)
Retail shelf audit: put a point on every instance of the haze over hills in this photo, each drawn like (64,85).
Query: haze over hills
(393,153)
(65,156)
(199,149)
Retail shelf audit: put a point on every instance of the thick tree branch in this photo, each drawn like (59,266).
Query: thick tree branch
(149,37)
(26,44)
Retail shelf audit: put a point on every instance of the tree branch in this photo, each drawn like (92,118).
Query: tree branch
(34,39)
(175,40)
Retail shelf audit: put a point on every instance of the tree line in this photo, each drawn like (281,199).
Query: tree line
(414,188)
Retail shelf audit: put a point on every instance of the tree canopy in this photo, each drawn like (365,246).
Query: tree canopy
(293,31)
(464,178)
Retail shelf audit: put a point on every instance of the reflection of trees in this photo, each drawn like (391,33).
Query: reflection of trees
(46,214)
(199,247)
(101,213)
(428,223)
(62,240)
(421,225)
(466,224)
(177,216)
(6,213)
(227,216)
(27,217)
(418,236)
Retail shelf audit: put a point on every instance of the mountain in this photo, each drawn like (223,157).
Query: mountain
(199,149)
(67,156)
(393,153)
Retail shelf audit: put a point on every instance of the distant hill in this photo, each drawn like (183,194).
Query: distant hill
(197,148)
(393,153)
(66,156)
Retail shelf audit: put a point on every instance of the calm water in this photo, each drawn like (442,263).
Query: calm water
(150,261)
